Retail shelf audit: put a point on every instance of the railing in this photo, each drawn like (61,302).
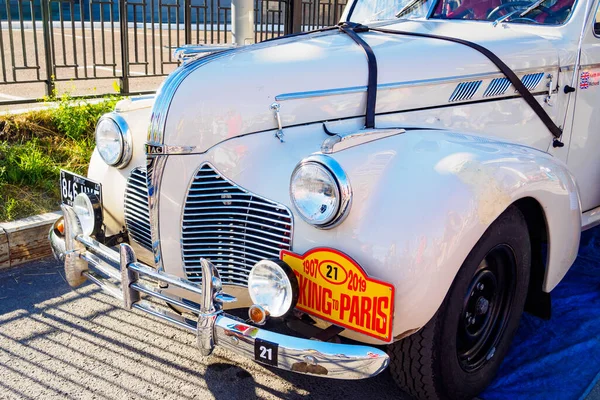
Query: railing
(49,43)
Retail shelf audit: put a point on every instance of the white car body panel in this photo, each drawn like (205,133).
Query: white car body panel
(478,179)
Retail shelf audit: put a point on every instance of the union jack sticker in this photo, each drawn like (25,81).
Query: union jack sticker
(584,81)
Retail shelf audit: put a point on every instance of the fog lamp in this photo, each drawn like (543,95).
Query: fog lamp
(273,286)
(89,211)
(258,314)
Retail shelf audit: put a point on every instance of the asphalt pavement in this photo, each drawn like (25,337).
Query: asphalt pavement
(56,342)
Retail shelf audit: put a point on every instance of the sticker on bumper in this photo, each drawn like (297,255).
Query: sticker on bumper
(335,288)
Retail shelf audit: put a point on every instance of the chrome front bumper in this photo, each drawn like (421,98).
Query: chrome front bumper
(119,273)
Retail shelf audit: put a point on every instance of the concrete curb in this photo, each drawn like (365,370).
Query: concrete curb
(25,240)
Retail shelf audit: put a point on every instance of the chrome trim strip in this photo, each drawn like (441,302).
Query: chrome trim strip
(154,172)
(343,141)
(189,52)
(398,85)
(166,92)
(163,149)
(156,163)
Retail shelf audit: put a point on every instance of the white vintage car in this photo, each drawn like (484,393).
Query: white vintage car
(396,189)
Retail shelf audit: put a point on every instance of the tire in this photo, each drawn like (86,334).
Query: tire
(455,355)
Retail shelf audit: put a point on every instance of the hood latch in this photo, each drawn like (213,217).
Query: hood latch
(275,107)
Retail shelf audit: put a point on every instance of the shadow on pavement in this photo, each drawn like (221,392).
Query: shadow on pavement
(56,342)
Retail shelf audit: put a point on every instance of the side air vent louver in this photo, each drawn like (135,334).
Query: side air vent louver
(497,87)
(465,91)
(137,215)
(532,80)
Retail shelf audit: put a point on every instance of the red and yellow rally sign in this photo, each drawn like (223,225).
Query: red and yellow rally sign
(335,288)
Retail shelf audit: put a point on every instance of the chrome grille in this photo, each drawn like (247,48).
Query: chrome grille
(137,215)
(465,91)
(231,227)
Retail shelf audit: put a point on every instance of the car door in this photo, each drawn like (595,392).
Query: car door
(584,151)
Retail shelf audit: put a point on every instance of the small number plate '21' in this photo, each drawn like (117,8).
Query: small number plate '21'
(266,352)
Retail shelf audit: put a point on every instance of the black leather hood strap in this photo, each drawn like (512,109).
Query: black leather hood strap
(510,75)
(352,29)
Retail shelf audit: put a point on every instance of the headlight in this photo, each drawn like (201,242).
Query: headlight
(273,286)
(88,210)
(113,140)
(320,191)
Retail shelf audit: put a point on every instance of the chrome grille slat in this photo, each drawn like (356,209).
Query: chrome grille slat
(228,200)
(234,233)
(225,240)
(224,257)
(196,231)
(274,221)
(230,226)
(134,211)
(225,207)
(231,249)
(137,214)
(240,272)
(232,220)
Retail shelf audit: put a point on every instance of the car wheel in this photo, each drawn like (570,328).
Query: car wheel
(458,352)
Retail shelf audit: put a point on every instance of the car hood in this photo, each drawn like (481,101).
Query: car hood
(229,94)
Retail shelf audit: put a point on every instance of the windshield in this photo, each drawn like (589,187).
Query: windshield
(539,12)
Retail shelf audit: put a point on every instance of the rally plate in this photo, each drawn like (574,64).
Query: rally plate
(335,288)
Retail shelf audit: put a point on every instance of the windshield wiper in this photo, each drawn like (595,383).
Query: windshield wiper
(504,17)
(410,5)
(531,8)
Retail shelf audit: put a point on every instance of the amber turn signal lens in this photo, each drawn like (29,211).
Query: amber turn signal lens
(60,226)
(257,314)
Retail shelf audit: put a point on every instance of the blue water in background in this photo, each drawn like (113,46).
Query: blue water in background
(98,11)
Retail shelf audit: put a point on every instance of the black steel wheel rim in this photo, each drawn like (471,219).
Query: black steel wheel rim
(486,308)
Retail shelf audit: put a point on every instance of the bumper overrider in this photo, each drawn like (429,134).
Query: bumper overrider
(135,284)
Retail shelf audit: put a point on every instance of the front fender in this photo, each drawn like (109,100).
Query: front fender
(423,199)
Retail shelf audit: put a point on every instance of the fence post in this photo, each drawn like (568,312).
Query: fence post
(124,46)
(294,20)
(242,22)
(187,21)
(47,47)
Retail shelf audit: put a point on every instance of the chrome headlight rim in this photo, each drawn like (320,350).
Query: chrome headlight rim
(343,185)
(125,137)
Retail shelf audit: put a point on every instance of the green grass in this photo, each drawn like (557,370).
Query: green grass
(34,147)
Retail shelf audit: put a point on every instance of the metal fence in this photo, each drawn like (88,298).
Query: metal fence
(52,41)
